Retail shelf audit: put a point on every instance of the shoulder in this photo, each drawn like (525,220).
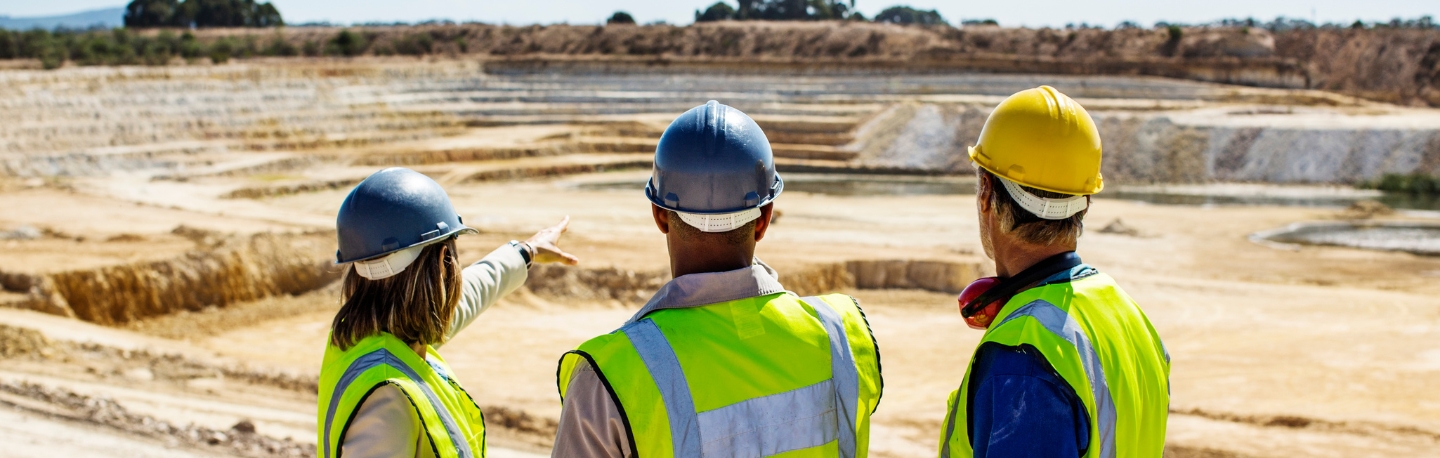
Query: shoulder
(385,424)
(845,306)
(603,344)
(1022,360)
(1007,374)
(389,400)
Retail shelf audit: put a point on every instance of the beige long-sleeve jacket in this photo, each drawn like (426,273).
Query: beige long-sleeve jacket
(385,424)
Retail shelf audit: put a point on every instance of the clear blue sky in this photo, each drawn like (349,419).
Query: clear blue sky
(1034,13)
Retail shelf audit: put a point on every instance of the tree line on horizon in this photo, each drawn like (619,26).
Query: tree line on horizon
(124,46)
(813,10)
(201,14)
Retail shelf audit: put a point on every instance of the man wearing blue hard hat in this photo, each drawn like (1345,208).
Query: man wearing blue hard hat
(722,361)
(385,391)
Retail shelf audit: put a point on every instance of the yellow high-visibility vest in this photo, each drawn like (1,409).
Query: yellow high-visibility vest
(1100,342)
(450,419)
(774,375)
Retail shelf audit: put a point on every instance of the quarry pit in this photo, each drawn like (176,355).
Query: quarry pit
(168,279)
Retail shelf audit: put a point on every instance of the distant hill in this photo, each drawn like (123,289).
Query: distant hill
(108,17)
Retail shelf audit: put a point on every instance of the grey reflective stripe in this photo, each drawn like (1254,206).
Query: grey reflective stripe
(664,367)
(797,419)
(802,418)
(1061,324)
(383,357)
(843,371)
(950,424)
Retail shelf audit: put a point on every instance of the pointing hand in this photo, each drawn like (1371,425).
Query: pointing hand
(545,245)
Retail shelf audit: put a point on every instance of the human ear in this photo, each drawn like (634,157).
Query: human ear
(762,224)
(983,193)
(662,218)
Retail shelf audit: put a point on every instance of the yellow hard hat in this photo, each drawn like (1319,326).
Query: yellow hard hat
(1042,139)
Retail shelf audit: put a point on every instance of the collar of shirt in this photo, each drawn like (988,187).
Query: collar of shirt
(707,288)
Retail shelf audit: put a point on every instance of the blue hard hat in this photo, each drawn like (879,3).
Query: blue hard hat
(713,159)
(391,210)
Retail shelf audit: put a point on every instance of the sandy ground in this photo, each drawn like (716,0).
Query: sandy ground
(37,436)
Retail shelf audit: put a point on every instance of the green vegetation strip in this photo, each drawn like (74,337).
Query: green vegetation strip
(1418,184)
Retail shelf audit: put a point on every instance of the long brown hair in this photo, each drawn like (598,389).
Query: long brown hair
(416,305)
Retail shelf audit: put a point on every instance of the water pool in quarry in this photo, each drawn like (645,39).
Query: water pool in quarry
(1178,194)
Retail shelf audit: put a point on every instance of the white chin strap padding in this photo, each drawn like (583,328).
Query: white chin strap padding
(1045,208)
(720,223)
(389,265)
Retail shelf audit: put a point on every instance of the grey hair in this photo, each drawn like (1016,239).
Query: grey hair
(1027,226)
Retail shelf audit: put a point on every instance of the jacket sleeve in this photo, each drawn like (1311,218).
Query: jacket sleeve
(385,426)
(497,274)
(591,425)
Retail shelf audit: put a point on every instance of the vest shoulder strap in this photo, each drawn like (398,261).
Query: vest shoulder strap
(379,366)
(843,370)
(1059,336)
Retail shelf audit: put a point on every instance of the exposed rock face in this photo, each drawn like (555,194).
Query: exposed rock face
(1394,65)
(1156,149)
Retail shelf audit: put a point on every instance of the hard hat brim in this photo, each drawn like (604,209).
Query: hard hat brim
(775,191)
(462,230)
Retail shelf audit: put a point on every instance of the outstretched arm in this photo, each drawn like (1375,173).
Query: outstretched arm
(503,271)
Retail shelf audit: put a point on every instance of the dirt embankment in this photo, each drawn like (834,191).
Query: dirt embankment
(630,286)
(220,271)
(1393,65)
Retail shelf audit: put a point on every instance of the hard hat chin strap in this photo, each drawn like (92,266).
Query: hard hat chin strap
(720,223)
(389,265)
(1043,207)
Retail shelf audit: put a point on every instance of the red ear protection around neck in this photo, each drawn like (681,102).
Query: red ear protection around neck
(982,300)
(984,314)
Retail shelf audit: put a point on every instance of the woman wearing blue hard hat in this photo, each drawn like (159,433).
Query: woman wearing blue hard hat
(384,389)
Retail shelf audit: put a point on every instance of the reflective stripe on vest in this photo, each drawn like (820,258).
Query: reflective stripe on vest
(805,417)
(1061,324)
(384,357)
(842,370)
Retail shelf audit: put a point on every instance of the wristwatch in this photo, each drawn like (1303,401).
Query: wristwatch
(524,249)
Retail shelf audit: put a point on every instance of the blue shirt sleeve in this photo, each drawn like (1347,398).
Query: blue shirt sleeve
(1019,407)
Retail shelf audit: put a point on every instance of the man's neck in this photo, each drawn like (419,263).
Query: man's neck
(1013,258)
(686,264)
(691,257)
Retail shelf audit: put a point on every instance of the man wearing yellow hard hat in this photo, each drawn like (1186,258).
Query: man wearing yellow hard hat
(1069,365)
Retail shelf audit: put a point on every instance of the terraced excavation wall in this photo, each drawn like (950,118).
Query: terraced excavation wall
(1155,149)
(1159,150)
(89,121)
(1391,64)
(232,271)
